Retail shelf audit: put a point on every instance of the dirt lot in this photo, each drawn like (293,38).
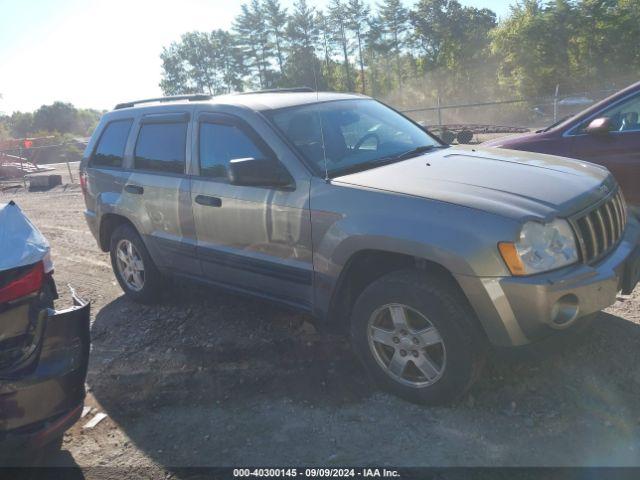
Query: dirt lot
(207,378)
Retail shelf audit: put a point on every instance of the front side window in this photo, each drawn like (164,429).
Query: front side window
(624,117)
(350,134)
(110,149)
(221,143)
(161,147)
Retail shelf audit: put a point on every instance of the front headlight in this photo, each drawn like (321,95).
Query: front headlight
(540,248)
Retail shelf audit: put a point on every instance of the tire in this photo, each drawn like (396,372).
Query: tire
(151,286)
(428,302)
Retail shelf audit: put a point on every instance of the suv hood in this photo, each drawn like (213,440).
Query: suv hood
(519,185)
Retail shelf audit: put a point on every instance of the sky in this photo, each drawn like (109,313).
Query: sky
(96,53)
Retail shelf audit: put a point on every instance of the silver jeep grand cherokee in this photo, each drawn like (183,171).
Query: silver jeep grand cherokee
(340,206)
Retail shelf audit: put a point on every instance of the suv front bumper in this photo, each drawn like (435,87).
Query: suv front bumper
(518,310)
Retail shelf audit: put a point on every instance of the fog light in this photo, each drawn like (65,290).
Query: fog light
(564,311)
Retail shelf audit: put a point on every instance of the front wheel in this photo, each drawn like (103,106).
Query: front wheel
(417,337)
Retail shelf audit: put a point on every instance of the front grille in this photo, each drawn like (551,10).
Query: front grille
(600,228)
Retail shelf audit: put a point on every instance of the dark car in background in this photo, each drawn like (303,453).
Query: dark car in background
(43,352)
(607,133)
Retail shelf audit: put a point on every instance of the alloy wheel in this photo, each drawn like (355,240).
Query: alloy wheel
(406,345)
(130,265)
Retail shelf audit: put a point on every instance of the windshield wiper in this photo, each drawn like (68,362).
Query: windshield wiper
(416,151)
(546,129)
(358,167)
(385,160)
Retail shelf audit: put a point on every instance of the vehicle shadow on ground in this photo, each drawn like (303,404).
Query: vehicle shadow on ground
(231,345)
(208,378)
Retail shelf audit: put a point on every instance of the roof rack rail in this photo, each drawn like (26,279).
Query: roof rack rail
(174,98)
(280,90)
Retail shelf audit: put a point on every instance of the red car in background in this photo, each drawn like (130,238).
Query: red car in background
(607,133)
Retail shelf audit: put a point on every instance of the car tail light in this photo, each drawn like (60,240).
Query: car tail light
(29,282)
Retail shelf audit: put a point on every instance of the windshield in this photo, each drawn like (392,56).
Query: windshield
(358,134)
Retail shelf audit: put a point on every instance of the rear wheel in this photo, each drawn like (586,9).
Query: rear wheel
(417,337)
(134,269)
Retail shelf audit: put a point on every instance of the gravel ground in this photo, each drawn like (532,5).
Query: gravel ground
(211,379)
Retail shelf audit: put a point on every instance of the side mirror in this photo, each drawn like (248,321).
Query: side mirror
(258,172)
(599,126)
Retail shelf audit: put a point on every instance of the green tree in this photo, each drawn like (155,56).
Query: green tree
(608,40)
(533,46)
(378,52)
(430,24)
(338,19)
(327,47)
(393,21)
(86,121)
(358,16)
(202,62)
(276,18)
(5,132)
(59,117)
(449,39)
(437,47)
(253,36)
(303,66)
(230,61)
(199,54)
(20,124)
(175,76)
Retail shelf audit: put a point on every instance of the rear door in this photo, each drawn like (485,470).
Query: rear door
(619,150)
(157,191)
(252,238)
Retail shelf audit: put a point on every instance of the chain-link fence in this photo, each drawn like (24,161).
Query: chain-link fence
(490,118)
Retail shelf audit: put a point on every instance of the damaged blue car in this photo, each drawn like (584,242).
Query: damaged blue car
(44,352)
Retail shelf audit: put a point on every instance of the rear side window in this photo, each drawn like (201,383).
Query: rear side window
(110,149)
(219,144)
(161,147)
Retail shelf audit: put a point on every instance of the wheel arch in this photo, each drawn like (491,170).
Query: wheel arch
(366,266)
(108,224)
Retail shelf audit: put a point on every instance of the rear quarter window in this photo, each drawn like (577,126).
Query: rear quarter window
(110,149)
(161,147)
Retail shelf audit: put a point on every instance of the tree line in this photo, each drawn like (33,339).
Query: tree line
(56,128)
(58,118)
(438,47)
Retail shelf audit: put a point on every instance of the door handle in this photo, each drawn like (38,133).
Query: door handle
(208,201)
(135,189)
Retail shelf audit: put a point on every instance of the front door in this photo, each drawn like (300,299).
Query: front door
(252,238)
(619,150)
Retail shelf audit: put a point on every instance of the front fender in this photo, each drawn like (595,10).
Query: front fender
(346,221)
